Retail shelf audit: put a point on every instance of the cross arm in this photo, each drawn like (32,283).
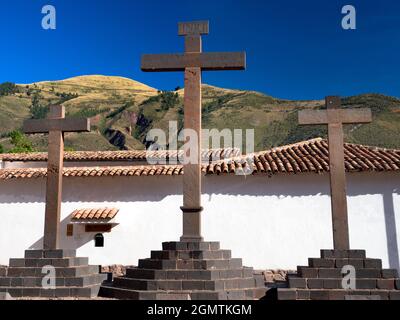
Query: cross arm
(64,125)
(362,115)
(211,61)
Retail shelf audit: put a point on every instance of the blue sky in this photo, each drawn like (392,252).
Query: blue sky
(295,49)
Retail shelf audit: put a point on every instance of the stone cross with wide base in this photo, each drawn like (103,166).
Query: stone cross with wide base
(335,117)
(55,126)
(193,62)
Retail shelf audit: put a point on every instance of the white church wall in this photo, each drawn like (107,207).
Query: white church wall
(273,222)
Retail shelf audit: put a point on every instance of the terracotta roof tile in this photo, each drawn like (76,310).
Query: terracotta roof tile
(94,214)
(302,157)
(132,155)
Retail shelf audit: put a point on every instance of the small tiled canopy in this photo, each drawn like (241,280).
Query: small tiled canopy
(102,214)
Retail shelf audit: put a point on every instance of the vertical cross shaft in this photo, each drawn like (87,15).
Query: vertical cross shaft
(337,177)
(192,171)
(54,183)
(335,117)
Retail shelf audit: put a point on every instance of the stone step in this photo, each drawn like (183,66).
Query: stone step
(215,274)
(190,254)
(121,293)
(314,272)
(341,262)
(29,282)
(352,254)
(325,294)
(59,292)
(61,272)
(234,263)
(55,262)
(336,283)
(59,253)
(184,246)
(178,285)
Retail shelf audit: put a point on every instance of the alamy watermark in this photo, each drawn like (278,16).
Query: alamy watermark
(236,140)
(349,20)
(49,21)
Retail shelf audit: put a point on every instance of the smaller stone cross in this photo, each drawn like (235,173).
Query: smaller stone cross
(55,126)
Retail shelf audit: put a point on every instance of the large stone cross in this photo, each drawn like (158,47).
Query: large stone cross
(55,126)
(193,62)
(335,117)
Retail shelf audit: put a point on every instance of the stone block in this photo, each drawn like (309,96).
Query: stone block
(236,295)
(329,273)
(177,274)
(208,295)
(34,254)
(315,283)
(307,272)
(333,254)
(17,262)
(300,283)
(361,297)
(366,283)
(385,284)
(303,294)
(356,254)
(59,253)
(319,294)
(193,285)
(383,294)
(287,294)
(337,294)
(332,283)
(356,263)
(397,283)
(373,263)
(394,295)
(16,282)
(368,274)
(389,273)
(31,292)
(146,273)
(215,285)
(5,282)
(321,263)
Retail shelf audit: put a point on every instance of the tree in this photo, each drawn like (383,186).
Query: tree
(37,110)
(1,149)
(8,88)
(21,142)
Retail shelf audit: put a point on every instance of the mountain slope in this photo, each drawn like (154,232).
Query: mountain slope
(122,111)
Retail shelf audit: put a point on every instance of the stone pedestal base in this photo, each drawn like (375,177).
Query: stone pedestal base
(26,277)
(322,279)
(187,271)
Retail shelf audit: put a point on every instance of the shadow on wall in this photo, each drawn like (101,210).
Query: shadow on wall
(79,238)
(391,230)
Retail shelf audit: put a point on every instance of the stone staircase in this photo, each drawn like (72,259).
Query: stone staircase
(322,279)
(187,271)
(74,277)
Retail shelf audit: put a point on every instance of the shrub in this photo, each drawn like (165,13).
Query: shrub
(8,88)
(21,142)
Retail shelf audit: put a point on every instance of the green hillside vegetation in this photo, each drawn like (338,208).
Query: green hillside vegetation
(123,111)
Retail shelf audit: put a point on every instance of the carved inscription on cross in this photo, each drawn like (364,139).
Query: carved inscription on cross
(335,117)
(193,62)
(55,126)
